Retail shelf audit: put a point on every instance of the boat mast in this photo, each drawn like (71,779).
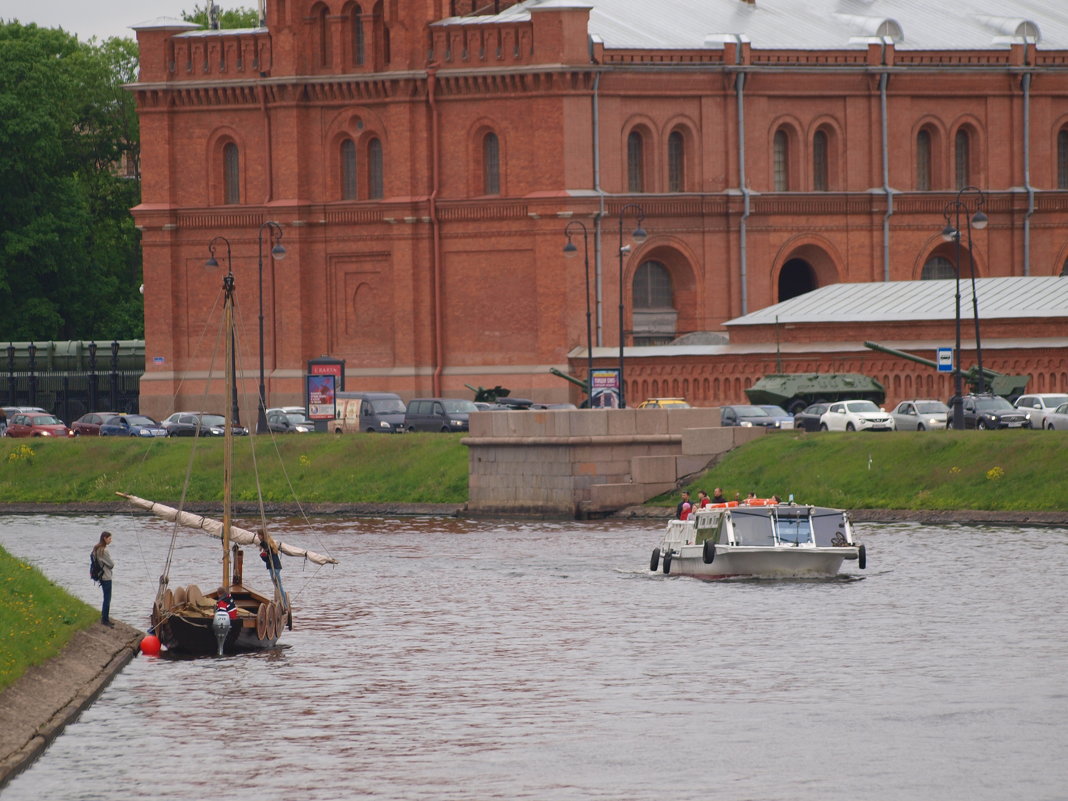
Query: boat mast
(228,439)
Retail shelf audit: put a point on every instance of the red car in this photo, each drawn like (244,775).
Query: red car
(36,424)
(89,424)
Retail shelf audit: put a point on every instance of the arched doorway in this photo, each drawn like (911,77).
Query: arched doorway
(796,278)
(653,296)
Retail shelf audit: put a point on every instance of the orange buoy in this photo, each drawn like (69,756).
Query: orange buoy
(150,645)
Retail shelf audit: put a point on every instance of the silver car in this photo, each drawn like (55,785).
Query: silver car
(920,415)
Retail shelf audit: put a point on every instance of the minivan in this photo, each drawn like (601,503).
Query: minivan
(373,412)
(438,414)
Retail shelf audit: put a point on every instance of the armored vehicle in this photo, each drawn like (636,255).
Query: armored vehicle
(979,381)
(795,391)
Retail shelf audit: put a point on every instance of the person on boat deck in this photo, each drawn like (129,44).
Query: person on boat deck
(269,546)
(702,499)
(718,496)
(685,500)
(100,551)
(226,603)
(686,509)
(750,497)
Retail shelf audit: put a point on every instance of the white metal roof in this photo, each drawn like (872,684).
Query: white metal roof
(897,301)
(813,24)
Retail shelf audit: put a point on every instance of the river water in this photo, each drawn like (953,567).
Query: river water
(453,659)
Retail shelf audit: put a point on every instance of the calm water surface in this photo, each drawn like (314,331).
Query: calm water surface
(450,659)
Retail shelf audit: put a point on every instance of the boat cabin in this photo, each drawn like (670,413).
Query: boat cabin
(763,526)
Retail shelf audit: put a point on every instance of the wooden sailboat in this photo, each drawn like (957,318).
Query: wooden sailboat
(231,617)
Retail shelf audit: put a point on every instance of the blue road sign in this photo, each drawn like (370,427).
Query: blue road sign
(945,360)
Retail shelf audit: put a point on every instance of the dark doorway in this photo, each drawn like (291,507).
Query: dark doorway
(796,278)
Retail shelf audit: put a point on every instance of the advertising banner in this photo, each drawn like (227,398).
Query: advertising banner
(605,394)
(321,397)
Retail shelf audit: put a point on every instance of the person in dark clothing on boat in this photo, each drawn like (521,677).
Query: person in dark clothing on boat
(100,551)
(685,501)
(226,603)
(269,551)
(718,496)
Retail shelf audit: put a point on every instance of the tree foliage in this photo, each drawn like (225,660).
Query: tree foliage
(70,264)
(228,18)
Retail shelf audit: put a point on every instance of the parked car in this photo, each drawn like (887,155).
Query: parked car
(664,403)
(131,425)
(289,420)
(373,412)
(856,415)
(992,411)
(438,414)
(1037,405)
(36,424)
(782,417)
(88,425)
(808,419)
(920,415)
(1058,418)
(186,424)
(747,415)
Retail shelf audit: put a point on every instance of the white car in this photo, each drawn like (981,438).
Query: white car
(1057,420)
(920,415)
(856,415)
(1037,405)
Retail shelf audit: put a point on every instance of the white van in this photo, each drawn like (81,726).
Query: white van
(373,412)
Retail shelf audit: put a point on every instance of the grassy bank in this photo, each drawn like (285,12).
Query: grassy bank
(427,468)
(37,617)
(984,470)
(946,470)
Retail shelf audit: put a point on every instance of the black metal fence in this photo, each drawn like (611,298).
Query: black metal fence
(69,393)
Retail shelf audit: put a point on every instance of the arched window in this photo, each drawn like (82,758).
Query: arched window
(374,169)
(653,298)
(1062,159)
(357,36)
(676,162)
(491,164)
(348,170)
(781,166)
(819,161)
(923,161)
(963,162)
(635,163)
(231,174)
(322,31)
(937,267)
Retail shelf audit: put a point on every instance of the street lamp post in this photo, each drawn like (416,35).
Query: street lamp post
(639,236)
(277,253)
(951,233)
(235,412)
(569,251)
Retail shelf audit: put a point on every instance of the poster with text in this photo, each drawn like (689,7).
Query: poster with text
(605,393)
(321,397)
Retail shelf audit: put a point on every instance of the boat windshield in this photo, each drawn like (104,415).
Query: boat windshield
(794,529)
(829,526)
(753,527)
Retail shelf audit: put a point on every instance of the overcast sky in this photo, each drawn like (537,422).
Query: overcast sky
(101,18)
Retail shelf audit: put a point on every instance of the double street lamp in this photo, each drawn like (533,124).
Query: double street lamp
(638,235)
(570,250)
(952,233)
(277,253)
(235,413)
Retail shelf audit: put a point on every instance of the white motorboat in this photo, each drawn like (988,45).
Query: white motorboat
(762,539)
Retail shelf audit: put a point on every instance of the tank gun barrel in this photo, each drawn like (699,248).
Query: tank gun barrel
(902,354)
(992,381)
(577,382)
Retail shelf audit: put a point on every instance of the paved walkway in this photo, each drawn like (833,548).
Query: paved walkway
(34,710)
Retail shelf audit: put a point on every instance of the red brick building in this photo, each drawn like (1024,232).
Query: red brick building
(423,158)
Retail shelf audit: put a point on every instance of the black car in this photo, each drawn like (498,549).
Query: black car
(991,411)
(748,415)
(185,424)
(808,419)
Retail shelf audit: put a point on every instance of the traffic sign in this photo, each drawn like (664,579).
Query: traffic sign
(945,360)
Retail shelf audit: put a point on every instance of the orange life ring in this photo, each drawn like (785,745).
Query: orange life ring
(724,505)
(761,502)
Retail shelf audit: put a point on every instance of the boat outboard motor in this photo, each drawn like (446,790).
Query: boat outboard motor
(220,624)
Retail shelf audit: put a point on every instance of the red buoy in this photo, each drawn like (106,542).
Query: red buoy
(150,645)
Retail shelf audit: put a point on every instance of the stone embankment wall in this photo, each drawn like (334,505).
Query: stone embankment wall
(589,462)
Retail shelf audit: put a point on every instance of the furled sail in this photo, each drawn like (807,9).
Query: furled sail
(241,536)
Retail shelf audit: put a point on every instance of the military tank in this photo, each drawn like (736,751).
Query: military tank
(795,391)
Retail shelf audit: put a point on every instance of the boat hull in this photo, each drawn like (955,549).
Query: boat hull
(193,635)
(757,562)
(183,621)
